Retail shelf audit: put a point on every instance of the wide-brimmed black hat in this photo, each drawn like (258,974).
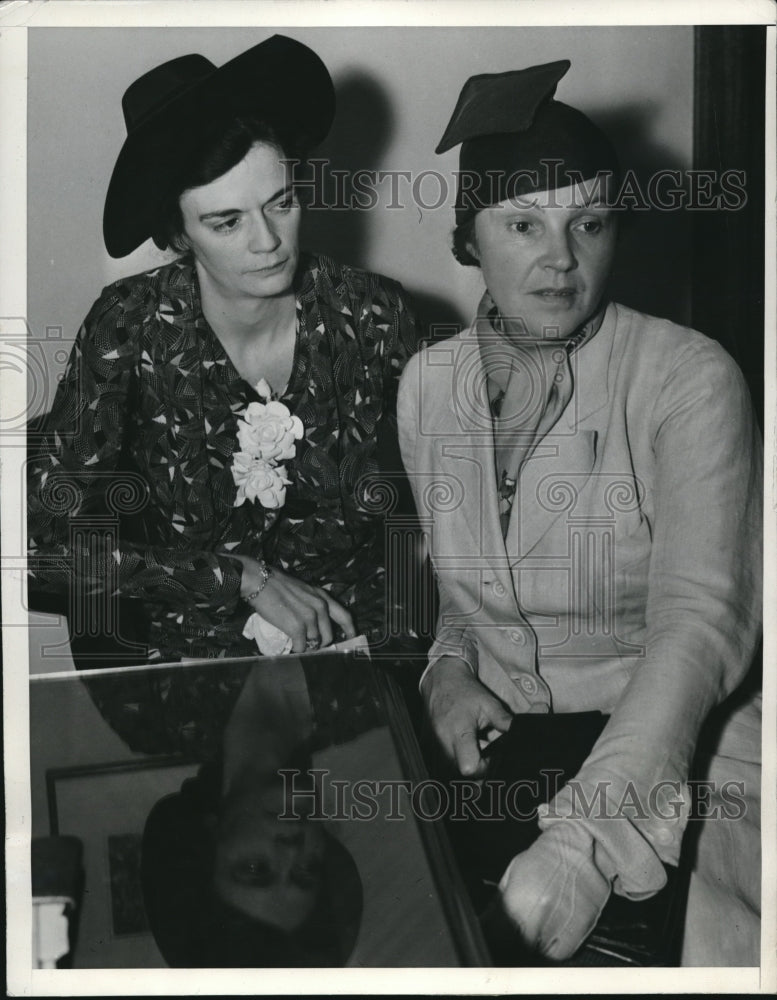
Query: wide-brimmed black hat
(170,110)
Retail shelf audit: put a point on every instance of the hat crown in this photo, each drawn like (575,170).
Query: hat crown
(501,103)
(162,84)
(171,110)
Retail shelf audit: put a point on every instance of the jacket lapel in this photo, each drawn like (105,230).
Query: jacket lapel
(467,453)
(548,487)
(552,479)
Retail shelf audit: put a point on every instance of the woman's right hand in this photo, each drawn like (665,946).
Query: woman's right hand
(462,711)
(304,612)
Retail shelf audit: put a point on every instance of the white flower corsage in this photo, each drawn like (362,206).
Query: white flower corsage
(267,434)
(259,480)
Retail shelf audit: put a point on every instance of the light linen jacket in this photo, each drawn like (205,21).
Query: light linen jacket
(630,577)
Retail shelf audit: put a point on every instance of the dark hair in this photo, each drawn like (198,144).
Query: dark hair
(224,147)
(194,928)
(463,236)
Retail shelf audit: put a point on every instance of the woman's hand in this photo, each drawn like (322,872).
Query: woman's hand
(554,892)
(305,613)
(461,711)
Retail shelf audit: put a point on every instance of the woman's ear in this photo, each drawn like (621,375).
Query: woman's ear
(465,246)
(182,243)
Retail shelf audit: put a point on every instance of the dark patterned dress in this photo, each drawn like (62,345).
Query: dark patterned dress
(184,709)
(132,493)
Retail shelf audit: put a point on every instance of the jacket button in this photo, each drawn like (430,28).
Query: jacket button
(498,589)
(518,637)
(528,684)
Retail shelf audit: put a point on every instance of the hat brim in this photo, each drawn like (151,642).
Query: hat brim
(280,80)
(176,864)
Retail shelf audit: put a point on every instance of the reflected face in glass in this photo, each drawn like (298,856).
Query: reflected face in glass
(243,228)
(269,869)
(546,257)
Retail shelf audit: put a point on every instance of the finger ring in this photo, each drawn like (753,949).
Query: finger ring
(312,644)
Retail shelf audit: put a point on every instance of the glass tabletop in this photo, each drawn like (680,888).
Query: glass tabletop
(255,812)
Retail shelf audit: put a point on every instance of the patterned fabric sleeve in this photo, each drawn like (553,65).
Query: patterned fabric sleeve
(399,609)
(401,345)
(405,344)
(72,482)
(387,310)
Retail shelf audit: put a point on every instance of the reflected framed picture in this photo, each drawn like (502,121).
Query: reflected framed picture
(106,806)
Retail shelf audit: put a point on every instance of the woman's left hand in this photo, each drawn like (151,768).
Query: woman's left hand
(554,892)
(306,614)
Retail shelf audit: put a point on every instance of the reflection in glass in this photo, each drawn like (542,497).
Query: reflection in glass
(228,881)
(178,766)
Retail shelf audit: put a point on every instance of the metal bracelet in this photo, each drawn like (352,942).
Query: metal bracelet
(264,569)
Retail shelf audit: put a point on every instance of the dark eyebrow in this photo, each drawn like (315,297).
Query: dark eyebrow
(219,215)
(225,212)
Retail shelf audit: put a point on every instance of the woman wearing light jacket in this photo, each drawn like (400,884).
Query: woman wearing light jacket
(591,481)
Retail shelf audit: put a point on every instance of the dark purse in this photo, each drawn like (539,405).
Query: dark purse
(527,766)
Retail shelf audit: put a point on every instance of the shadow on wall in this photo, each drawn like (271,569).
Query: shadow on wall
(364,128)
(652,267)
(437,318)
(651,271)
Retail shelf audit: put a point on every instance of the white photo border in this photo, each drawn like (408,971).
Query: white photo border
(17,19)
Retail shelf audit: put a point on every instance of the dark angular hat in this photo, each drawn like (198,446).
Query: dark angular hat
(517,139)
(172,108)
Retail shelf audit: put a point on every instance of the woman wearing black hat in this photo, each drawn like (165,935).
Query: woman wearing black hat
(598,545)
(238,869)
(263,514)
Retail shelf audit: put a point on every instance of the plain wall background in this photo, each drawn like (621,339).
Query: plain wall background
(396,90)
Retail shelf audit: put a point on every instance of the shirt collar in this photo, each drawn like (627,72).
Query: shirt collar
(489,322)
(488,310)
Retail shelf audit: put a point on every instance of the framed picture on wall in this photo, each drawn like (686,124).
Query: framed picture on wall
(106,807)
